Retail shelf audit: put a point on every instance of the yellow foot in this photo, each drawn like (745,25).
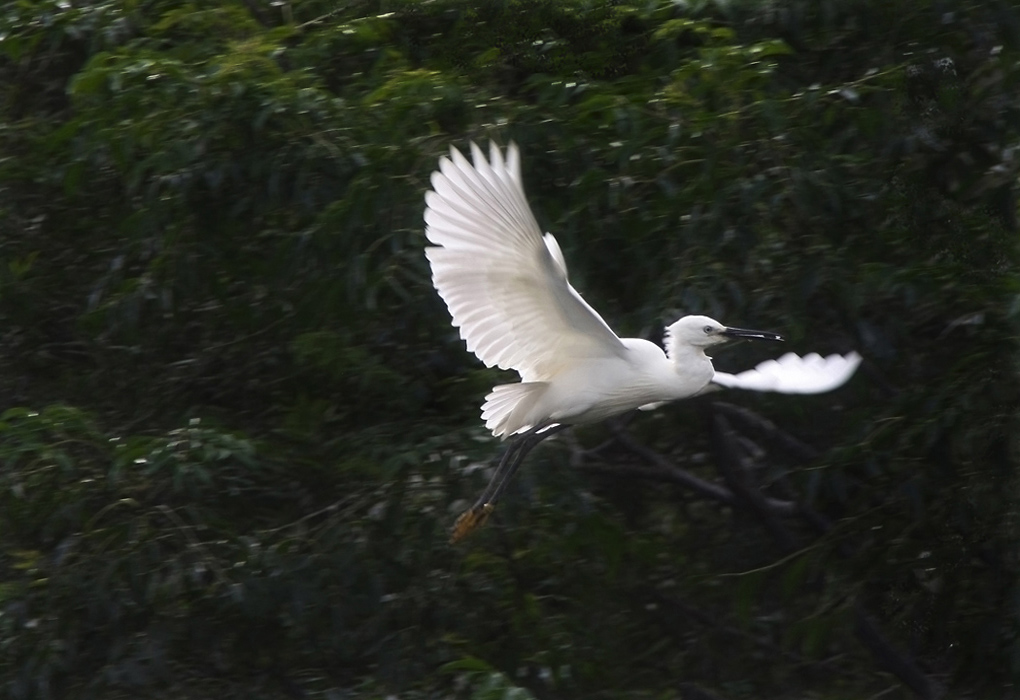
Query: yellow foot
(470,520)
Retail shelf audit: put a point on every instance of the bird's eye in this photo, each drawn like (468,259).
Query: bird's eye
(708,330)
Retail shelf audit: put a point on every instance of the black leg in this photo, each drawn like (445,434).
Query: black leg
(475,517)
(508,465)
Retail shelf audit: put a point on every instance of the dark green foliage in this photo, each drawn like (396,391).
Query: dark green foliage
(238,424)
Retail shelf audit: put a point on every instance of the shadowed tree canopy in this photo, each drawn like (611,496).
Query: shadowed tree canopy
(236,423)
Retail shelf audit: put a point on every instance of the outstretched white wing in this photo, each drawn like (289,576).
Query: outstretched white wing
(790,374)
(506,286)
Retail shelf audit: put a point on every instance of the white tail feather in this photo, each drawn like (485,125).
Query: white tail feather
(508,407)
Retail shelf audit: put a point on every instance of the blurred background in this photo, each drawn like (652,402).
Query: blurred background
(237,424)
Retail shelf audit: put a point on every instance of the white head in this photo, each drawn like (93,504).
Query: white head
(703,332)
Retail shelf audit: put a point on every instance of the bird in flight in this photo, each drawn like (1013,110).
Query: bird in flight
(506,287)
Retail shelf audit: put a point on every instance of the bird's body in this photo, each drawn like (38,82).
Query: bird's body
(507,290)
(593,389)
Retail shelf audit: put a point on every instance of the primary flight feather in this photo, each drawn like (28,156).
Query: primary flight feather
(506,286)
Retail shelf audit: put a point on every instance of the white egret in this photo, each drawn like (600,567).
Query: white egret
(506,287)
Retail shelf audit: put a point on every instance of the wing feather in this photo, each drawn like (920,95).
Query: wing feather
(503,282)
(790,374)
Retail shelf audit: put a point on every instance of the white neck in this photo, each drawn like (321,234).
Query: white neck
(693,369)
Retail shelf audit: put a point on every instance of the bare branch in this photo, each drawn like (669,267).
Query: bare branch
(768,430)
(674,607)
(665,470)
(675,476)
(890,658)
(736,470)
(732,458)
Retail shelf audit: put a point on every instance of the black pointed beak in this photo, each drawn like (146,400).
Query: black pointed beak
(745,333)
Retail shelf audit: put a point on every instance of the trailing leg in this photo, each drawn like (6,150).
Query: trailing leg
(473,518)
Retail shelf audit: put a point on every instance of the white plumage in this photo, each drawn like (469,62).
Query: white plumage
(507,290)
(790,374)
